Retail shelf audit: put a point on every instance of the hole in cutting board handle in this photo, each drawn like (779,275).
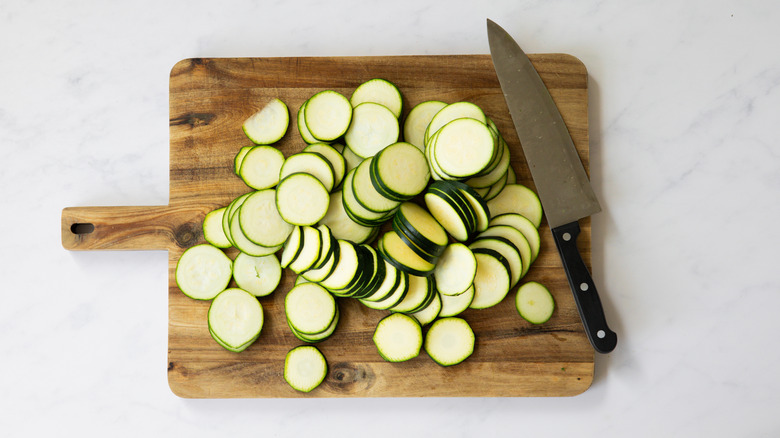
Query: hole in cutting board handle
(82,228)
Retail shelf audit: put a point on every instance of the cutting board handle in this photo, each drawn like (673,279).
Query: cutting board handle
(127,228)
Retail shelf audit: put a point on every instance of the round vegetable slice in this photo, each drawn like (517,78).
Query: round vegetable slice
(449,341)
(260,167)
(455,270)
(379,91)
(398,337)
(517,198)
(257,275)
(302,199)
(310,308)
(203,271)
(269,124)
(213,231)
(328,115)
(235,318)
(417,121)
(305,368)
(373,128)
(534,303)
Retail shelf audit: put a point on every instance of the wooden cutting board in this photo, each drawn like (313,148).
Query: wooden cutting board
(209,100)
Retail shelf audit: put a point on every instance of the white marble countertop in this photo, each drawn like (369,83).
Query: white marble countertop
(684,105)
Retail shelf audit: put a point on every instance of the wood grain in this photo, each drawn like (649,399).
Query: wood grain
(209,99)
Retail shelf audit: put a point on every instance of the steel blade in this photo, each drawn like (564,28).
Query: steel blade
(560,178)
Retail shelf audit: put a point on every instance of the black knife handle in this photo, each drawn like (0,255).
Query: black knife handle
(585,295)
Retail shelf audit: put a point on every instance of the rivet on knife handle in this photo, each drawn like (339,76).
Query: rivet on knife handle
(584,289)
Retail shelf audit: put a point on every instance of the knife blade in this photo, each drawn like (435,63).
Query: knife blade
(560,178)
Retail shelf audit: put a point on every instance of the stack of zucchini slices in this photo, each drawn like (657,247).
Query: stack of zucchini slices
(462,241)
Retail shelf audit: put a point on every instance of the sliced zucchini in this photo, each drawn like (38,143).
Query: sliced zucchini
(239,158)
(525,226)
(511,176)
(493,280)
(457,304)
(260,220)
(430,312)
(495,175)
(516,237)
(478,205)
(534,303)
(398,337)
(260,167)
(456,197)
(455,270)
(366,194)
(305,368)
(404,234)
(311,163)
(452,112)
(203,271)
(346,267)
(447,214)
(311,246)
(399,171)
(449,341)
(390,280)
(496,188)
(463,148)
(517,198)
(334,157)
(235,319)
(309,308)
(366,268)
(373,128)
(421,227)
(342,225)
(417,121)
(292,247)
(328,115)
(213,231)
(302,129)
(322,272)
(268,125)
(398,253)
(257,275)
(302,199)
(418,296)
(242,243)
(508,250)
(356,210)
(378,274)
(379,91)
(319,336)
(397,294)
(228,216)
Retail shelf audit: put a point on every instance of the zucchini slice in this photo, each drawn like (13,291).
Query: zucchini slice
(463,148)
(399,171)
(430,312)
(311,163)
(446,213)
(495,175)
(319,336)
(260,221)
(302,199)
(397,252)
(389,282)
(419,294)
(534,303)
(235,319)
(292,247)
(346,267)
(517,239)
(421,227)
(351,159)
(417,121)
(508,250)
(268,125)
(373,128)
(305,368)
(257,275)
(455,270)
(302,129)
(449,341)
(493,281)
(496,188)
(517,198)
(356,210)
(457,304)
(397,294)
(328,115)
(333,156)
(309,308)
(213,231)
(203,271)
(379,91)
(525,226)
(260,167)
(342,225)
(242,243)
(239,158)
(366,194)
(323,271)
(398,337)
(311,246)
(454,111)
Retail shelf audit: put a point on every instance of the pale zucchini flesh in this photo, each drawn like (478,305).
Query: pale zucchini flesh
(379,91)
(449,341)
(260,220)
(269,124)
(260,167)
(463,148)
(373,128)
(213,231)
(341,224)
(305,368)
(302,199)
(534,303)
(235,317)
(452,305)
(417,121)
(257,275)
(327,115)
(309,308)
(517,198)
(525,226)
(455,270)
(492,281)
(311,163)
(203,271)
(398,337)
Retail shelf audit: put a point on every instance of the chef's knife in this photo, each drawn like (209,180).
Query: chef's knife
(557,171)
